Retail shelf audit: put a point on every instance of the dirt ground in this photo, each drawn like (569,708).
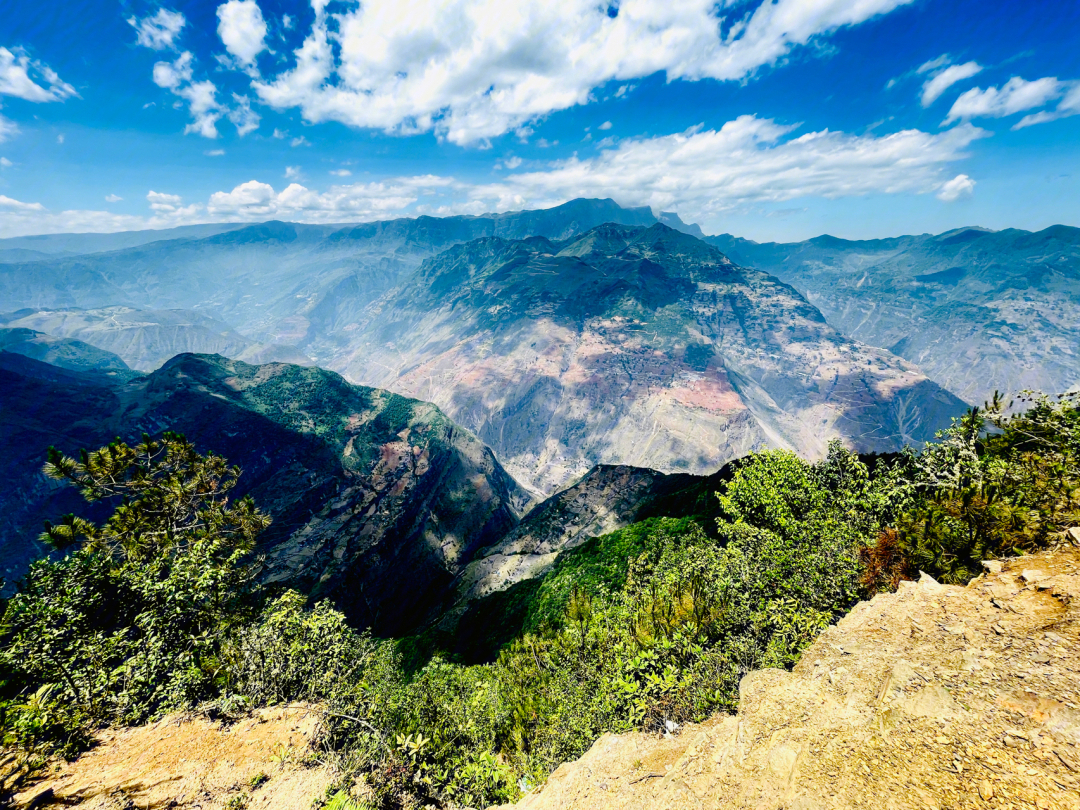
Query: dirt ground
(190,762)
(933,697)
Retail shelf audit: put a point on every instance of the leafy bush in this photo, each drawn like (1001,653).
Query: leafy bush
(980,495)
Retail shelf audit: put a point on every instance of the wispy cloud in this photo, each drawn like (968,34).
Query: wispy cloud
(17,78)
(945,78)
(112,198)
(1016,95)
(160,31)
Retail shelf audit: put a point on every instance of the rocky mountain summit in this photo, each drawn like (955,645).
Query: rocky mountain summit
(933,697)
(377,500)
(626,345)
(977,310)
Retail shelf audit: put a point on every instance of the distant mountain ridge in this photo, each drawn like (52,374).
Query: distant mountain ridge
(977,310)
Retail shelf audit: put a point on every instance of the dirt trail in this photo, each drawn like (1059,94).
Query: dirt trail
(187,763)
(933,697)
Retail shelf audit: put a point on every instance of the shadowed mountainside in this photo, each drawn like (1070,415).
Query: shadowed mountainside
(378,500)
(977,310)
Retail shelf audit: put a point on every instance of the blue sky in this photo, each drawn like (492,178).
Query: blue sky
(783,120)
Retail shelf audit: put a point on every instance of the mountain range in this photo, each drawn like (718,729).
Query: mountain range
(512,384)
(976,310)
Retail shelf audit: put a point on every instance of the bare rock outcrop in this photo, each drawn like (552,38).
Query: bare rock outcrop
(932,697)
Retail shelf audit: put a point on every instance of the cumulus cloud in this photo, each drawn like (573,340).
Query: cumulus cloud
(158,32)
(360,201)
(702,173)
(17,78)
(472,69)
(945,78)
(242,30)
(1016,95)
(340,172)
(953,190)
(201,98)
(292,172)
(605,125)
(214,152)
(300,141)
(113,198)
(5,163)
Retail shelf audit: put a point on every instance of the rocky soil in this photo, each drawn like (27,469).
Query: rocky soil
(184,762)
(933,697)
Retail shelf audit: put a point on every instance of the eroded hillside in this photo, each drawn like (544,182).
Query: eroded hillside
(640,346)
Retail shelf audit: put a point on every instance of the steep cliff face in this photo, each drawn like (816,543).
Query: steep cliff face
(977,310)
(378,500)
(640,346)
(607,498)
(932,697)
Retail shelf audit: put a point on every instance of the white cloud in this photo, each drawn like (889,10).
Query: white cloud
(242,30)
(953,190)
(341,172)
(7,202)
(944,79)
(605,125)
(934,64)
(243,117)
(1016,95)
(201,97)
(113,198)
(300,141)
(214,152)
(5,163)
(292,172)
(702,173)
(17,73)
(160,31)
(357,202)
(1069,105)
(474,69)
(281,134)
(60,138)
(163,202)
(287,22)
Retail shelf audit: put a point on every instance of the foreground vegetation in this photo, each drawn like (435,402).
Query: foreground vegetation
(158,608)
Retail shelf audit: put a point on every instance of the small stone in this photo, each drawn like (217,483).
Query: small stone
(993,566)
(986,790)
(1030,575)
